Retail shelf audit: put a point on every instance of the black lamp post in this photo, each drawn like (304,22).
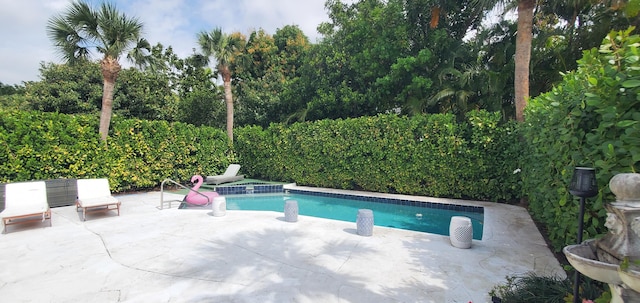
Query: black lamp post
(583,184)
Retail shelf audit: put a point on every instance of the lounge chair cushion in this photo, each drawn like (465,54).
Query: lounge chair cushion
(232,170)
(25,198)
(97,201)
(95,195)
(230,175)
(93,188)
(223,179)
(25,201)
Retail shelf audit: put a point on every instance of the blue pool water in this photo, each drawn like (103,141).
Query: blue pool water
(416,218)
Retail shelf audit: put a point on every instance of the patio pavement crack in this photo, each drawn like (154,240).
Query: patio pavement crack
(104,244)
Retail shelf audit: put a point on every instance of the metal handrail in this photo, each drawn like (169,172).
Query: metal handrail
(176,183)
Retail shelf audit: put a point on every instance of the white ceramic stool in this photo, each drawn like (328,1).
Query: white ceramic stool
(291,210)
(460,232)
(219,206)
(364,222)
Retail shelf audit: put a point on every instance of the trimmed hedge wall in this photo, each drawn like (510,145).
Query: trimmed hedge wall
(590,119)
(423,155)
(429,155)
(138,154)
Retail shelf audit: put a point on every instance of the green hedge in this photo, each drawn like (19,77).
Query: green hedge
(138,154)
(591,119)
(422,155)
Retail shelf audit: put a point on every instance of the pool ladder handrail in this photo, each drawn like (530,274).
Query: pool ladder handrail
(176,183)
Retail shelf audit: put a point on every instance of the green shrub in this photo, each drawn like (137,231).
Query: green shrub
(429,155)
(38,145)
(590,119)
(532,288)
(138,154)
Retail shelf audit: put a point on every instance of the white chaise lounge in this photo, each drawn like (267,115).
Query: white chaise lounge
(230,175)
(95,195)
(25,202)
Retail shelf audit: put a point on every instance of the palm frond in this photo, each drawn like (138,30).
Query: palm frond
(81,29)
(448,74)
(221,46)
(463,96)
(117,32)
(446,93)
(65,38)
(298,116)
(140,55)
(206,42)
(470,74)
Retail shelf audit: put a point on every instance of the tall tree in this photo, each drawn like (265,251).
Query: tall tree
(258,80)
(111,33)
(606,15)
(67,88)
(201,100)
(523,55)
(524,36)
(13,97)
(264,76)
(361,42)
(6,89)
(224,48)
(495,47)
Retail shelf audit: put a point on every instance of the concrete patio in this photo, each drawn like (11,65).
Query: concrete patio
(173,255)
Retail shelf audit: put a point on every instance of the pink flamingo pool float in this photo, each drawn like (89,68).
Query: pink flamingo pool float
(199,198)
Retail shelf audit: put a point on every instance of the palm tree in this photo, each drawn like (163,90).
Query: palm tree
(523,56)
(524,37)
(523,44)
(82,28)
(224,48)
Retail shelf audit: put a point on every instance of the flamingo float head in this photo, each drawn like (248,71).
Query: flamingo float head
(197,181)
(197,178)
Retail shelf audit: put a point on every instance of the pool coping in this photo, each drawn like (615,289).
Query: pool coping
(408,200)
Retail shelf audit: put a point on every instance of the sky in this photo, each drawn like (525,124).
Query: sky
(173,23)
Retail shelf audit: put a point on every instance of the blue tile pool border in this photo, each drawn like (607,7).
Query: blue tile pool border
(406,202)
(249,189)
(278,188)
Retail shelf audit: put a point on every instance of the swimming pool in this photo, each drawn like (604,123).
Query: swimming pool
(403,214)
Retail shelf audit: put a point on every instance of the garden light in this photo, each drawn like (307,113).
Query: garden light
(583,184)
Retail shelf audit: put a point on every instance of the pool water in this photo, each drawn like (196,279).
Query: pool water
(423,219)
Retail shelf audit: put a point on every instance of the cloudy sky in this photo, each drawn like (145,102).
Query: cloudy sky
(171,22)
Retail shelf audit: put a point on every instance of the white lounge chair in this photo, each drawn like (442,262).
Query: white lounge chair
(25,202)
(230,175)
(94,195)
